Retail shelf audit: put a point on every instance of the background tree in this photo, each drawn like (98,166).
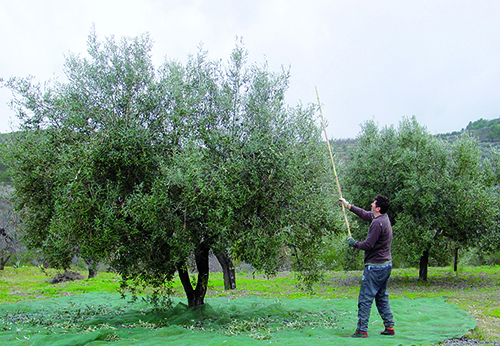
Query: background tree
(467,198)
(80,151)
(147,168)
(438,193)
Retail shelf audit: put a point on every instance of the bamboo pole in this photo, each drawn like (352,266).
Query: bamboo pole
(333,164)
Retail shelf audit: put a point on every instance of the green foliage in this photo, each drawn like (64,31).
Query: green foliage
(11,248)
(149,168)
(485,130)
(477,256)
(338,256)
(4,174)
(437,189)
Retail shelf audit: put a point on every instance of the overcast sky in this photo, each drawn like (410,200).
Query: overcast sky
(370,59)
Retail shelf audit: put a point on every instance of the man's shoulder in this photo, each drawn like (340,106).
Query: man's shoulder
(382,220)
(383,217)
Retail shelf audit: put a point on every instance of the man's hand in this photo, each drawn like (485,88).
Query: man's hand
(351,241)
(343,202)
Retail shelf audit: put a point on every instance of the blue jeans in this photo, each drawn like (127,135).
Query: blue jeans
(374,286)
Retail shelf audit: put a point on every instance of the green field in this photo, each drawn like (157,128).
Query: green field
(473,289)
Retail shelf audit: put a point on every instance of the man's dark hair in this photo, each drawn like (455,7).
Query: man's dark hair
(383,203)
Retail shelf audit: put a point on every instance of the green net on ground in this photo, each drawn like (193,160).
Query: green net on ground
(106,319)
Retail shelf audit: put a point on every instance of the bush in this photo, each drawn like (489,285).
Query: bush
(476,257)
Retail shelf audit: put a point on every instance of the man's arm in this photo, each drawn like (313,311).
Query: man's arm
(371,238)
(365,215)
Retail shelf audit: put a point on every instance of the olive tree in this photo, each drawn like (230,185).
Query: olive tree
(468,200)
(438,191)
(248,179)
(149,167)
(83,146)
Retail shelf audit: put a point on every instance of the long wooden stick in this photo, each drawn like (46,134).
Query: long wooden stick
(333,163)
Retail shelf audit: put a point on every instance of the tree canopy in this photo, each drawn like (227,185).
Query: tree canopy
(442,194)
(152,168)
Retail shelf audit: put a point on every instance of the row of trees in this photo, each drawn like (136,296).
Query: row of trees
(148,169)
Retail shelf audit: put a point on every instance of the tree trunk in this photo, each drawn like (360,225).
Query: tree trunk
(455,262)
(3,262)
(7,249)
(424,263)
(228,271)
(196,296)
(92,267)
(92,272)
(424,259)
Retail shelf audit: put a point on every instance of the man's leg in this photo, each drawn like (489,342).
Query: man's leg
(382,297)
(367,293)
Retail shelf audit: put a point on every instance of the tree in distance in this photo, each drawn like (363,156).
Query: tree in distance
(443,197)
(149,168)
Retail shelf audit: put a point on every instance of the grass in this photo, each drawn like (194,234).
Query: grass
(30,283)
(473,289)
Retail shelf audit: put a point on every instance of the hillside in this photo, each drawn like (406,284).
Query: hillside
(486,131)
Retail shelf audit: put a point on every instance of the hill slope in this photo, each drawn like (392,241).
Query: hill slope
(486,131)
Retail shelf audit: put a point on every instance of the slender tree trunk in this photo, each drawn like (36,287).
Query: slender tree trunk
(196,296)
(455,262)
(7,250)
(424,259)
(228,271)
(92,267)
(4,261)
(423,266)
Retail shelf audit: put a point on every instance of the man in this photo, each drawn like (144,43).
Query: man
(378,265)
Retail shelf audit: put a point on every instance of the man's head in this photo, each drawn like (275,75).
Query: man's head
(382,203)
